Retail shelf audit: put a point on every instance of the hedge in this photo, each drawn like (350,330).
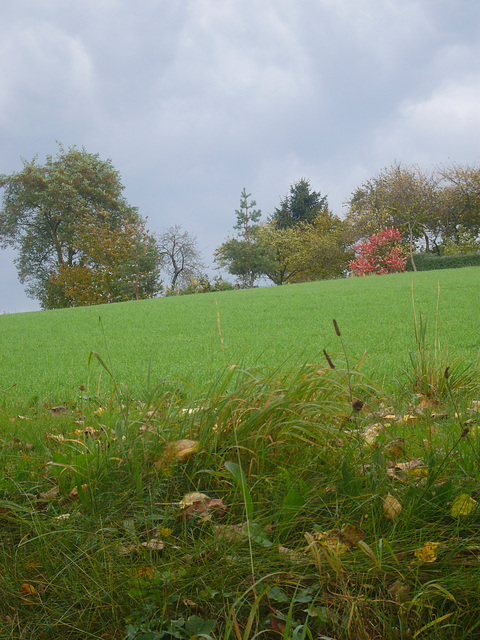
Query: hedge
(430,262)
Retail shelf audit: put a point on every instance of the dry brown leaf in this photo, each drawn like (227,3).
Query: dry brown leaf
(154,544)
(399,591)
(182,449)
(74,491)
(55,437)
(394,448)
(200,505)
(50,494)
(58,410)
(391,507)
(127,550)
(233,532)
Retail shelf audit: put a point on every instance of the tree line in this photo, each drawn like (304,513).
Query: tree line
(79,242)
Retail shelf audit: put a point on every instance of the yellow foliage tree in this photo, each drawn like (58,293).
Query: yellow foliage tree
(114,264)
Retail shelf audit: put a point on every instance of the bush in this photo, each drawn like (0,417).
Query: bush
(430,262)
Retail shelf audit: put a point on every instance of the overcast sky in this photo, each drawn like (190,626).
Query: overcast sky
(193,100)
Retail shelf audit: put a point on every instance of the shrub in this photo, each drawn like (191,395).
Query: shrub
(379,254)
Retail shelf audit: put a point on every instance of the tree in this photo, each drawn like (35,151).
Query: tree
(181,255)
(380,254)
(112,267)
(301,205)
(400,196)
(307,251)
(457,225)
(44,209)
(244,256)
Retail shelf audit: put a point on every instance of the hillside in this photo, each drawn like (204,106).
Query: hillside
(45,354)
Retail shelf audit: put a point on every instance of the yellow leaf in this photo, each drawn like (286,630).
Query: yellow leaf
(463,505)
(427,553)
(391,507)
(180,449)
(190,498)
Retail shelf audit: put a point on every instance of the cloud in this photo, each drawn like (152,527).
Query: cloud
(195,100)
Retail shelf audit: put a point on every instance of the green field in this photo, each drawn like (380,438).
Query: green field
(284,501)
(45,354)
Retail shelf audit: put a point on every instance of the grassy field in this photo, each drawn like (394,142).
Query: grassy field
(287,500)
(45,354)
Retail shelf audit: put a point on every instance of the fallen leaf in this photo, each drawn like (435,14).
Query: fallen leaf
(394,448)
(339,541)
(74,491)
(50,494)
(28,593)
(200,505)
(58,410)
(371,432)
(190,498)
(463,505)
(55,437)
(427,553)
(181,449)
(399,591)
(154,544)
(233,532)
(391,507)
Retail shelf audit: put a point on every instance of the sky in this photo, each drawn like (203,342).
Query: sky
(193,100)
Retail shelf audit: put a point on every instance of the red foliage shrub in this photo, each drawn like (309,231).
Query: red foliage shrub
(379,254)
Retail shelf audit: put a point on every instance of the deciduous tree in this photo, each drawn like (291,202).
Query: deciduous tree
(46,206)
(182,259)
(112,267)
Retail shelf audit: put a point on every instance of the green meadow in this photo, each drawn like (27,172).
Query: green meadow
(236,466)
(46,354)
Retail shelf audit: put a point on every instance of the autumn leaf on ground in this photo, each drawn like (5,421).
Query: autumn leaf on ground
(28,593)
(50,494)
(200,505)
(391,507)
(180,450)
(427,553)
(463,505)
(339,541)
(154,544)
(58,410)
(371,432)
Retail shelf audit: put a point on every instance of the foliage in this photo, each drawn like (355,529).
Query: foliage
(401,197)
(201,284)
(440,208)
(301,205)
(244,256)
(181,255)
(380,254)
(305,251)
(430,261)
(45,208)
(458,218)
(112,267)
